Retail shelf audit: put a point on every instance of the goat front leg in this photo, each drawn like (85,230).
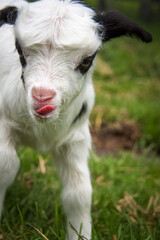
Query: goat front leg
(76,195)
(9,161)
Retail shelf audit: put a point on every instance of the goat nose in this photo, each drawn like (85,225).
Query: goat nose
(42,94)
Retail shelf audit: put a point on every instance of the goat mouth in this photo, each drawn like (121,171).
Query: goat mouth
(44,112)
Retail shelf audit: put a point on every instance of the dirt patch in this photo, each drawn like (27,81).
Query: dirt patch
(110,138)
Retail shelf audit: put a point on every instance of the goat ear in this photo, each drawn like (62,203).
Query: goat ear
(8,15)
(114,24)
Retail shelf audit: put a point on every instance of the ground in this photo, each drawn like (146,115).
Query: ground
(110,138)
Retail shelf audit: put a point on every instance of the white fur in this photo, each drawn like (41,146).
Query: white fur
(55,36)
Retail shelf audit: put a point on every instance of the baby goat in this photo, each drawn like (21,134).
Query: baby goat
(47,52)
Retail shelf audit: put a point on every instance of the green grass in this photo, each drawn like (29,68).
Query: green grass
(33,201)
(112,178)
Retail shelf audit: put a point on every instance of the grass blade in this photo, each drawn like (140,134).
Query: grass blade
(81,237)
(38,231)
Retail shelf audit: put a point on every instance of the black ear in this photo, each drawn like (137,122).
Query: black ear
(8,15)
(114,24)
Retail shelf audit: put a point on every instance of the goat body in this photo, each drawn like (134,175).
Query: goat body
(47,51)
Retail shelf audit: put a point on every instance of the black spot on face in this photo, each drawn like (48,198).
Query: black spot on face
(81,113)
(21,55)
(22,60)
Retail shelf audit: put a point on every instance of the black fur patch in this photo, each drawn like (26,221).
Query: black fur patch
(81,113)
(8,15)
(22,77)
(22,60)
(21,55)
(114,24)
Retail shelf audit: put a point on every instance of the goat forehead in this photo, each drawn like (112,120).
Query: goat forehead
(64,23)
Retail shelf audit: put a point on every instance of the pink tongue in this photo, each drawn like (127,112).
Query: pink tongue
(45,110)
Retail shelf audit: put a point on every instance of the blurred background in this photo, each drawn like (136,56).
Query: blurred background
(127,82)
(146,10)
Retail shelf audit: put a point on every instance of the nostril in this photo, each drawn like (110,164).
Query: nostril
(43,94)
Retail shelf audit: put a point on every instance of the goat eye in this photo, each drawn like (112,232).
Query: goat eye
(85,65)
(86,62)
